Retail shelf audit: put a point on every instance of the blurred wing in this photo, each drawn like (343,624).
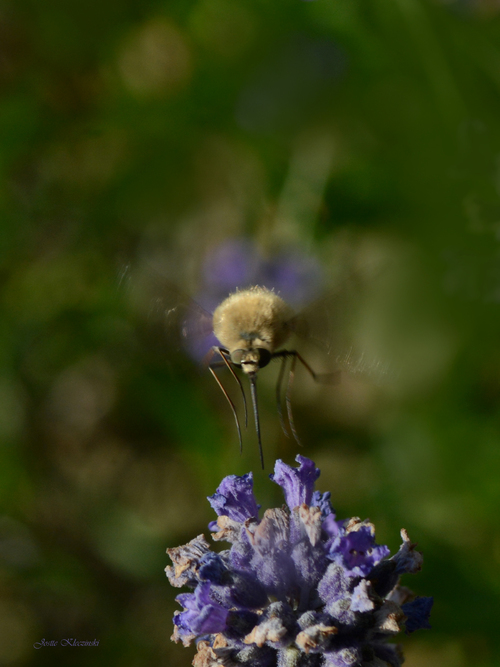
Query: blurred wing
(329,321)
(324,323)
(338,323)
(191,325)
(169,312)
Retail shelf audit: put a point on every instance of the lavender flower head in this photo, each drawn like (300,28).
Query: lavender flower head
(297,588)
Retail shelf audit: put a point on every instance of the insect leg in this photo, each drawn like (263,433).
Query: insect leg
(279,385)
(284,354)
(288,396)
(208,357)
(253,391)
(327,378)
(224,354)
(231,404)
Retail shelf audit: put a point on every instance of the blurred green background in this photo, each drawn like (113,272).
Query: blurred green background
(133,131)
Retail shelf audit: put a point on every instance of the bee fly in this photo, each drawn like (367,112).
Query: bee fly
(251,325)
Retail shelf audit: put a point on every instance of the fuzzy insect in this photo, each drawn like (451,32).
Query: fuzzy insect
(251,326)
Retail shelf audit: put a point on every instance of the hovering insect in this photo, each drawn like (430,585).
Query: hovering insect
(251,326)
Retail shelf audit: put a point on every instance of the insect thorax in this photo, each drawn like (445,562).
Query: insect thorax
(252,318)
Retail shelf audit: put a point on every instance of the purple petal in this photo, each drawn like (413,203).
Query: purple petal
(323,502)
(357,551)
(331,527)
(202,614)
(417,612)
(297,483)
(361,599)
(407,559)
(212,568)
(234,498)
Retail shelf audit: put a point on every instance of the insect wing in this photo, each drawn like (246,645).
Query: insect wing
(334,324)
(167,310)
(196,329)
(328,321)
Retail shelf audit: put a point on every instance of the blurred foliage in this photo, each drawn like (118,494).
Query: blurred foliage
(137,133)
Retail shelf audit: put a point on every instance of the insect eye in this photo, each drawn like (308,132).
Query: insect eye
(236,357)
(264,357)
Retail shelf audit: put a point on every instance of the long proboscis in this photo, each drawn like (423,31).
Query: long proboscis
(253,393)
